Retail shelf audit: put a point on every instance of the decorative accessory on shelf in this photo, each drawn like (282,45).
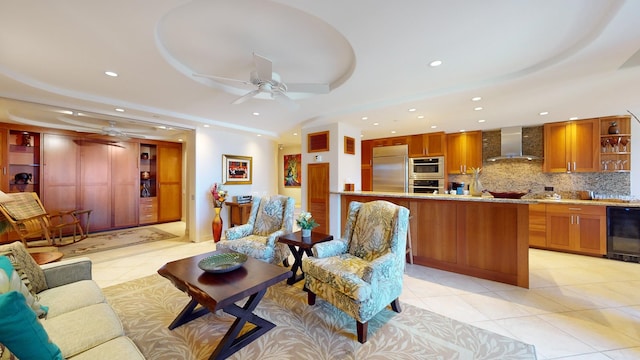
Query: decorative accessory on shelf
(219,195)
(475,188)
(307,223)
(613,129)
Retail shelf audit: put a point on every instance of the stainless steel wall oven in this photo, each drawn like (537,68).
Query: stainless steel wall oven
(427,175)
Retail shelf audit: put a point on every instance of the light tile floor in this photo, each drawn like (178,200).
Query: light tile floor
(577,307)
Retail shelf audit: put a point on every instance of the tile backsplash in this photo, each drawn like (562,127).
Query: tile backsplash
(522,175)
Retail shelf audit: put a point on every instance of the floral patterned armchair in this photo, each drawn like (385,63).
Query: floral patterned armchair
(270,218)
(362,272)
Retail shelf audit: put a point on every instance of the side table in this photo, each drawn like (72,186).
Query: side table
(299,246)
(46,257)
(238,213)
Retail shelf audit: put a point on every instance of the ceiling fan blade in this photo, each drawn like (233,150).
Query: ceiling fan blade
(246,97)
(264,67)
(286,101)
(309,88)
(213,77)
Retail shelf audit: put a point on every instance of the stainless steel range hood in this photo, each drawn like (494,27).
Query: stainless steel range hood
(511,145)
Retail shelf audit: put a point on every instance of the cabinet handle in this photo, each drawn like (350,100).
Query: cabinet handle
(4,170)
(571,219)
(578,219)
(574,166)
(568,166)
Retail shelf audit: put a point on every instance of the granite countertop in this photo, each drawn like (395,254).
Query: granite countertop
(489,198)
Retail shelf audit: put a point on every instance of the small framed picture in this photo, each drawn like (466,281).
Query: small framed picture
(236,169)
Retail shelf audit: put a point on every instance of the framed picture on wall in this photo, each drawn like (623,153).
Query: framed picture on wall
(292,171)
(236,169)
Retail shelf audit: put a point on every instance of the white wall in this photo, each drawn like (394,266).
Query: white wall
(205,168)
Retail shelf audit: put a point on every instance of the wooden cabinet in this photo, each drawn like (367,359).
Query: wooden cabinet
(615,148)
(572,146)
(538,225)
(390,141)
(464,151)
(238,213)
(124,184)
(576,228)
(431,144)
(366,158)
(148,210)
(169,181)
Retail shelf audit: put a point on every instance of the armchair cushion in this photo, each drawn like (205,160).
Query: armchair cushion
(269,217)
(30,272)
(344,273)
(371,233)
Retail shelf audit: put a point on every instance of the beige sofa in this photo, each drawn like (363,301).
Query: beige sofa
(79,319)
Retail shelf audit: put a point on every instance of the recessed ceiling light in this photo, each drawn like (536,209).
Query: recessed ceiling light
(180,139)
(111,73)
(481,120)
(477,98)
(477,108)
(259,135)
(256,114)
(364,118)
(435,63)
(544,113)
(412,109)
(420,116)
(67,112)
(393,131)
(206,125)
(434,126)
(295,134)
(462,130)
(573,118)
(162,127)
(361,135)
(119,110)
(376,124)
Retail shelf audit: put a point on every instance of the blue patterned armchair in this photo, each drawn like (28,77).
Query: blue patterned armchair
(362,272)
(270,218)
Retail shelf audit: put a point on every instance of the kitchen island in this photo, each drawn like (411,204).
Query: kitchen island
(482,237)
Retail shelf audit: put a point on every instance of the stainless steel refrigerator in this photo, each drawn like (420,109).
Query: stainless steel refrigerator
(390,168)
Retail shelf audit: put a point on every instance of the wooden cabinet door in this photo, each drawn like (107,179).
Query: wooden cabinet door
(60,188)
(560,231)
(537,225)
(585,146)
(124,184)
(557,144)
(366,158)
(95,180)
(366,155)
(464,151)
(436,144)
(318,194)
(434,233)
(579,229)
(366,174)
(592,238)
(169,182)
(416,145)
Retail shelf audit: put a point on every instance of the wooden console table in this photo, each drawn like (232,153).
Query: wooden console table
(238,213)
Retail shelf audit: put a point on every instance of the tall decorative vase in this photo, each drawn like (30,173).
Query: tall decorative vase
(216,225)
(475,188)
(306,233)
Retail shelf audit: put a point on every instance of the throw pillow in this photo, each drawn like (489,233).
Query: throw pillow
(30,272)
(10,281)
(21,331)
(269,218)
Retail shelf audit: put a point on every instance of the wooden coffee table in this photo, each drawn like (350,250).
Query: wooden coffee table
(299,246)
(220,292)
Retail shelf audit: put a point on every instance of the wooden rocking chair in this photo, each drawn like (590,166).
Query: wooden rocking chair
(25,214)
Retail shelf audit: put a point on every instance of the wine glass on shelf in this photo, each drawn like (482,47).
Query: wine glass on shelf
(624,163)
(618,165)
(614,143)
(604,165)
(624,142)
(604,142)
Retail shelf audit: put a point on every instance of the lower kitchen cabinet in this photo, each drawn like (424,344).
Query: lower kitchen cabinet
(538,225)
(576,228)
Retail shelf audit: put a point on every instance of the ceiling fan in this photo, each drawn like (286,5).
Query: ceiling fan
(266,81)
(110,130)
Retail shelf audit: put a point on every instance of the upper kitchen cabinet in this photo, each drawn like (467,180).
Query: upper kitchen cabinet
(464,151)
(23,160)
(366,157)
(390,141)
(615,144)
(572,146)
(431,144)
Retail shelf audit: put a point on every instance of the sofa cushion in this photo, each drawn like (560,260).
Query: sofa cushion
(82,329)
(270,215)
(21,332)
(30,272)
(10,281)
(66,298)
(119,348)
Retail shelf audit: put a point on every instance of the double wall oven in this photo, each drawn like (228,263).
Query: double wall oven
(426,175)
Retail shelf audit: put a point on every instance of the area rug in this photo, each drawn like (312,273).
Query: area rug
(148,305)
(113,240)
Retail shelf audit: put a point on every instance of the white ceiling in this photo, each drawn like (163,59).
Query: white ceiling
(572,58)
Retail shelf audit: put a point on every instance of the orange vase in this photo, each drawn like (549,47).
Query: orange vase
(216,225)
